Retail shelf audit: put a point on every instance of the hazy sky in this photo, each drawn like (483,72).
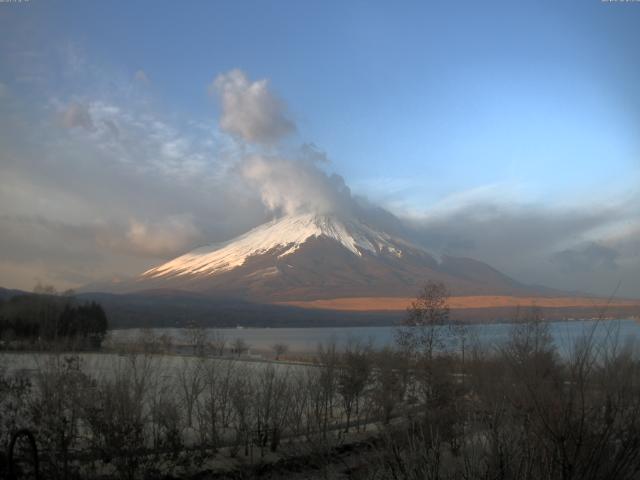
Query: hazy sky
(508,132)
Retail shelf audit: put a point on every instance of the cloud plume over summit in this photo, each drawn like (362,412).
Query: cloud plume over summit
(288,182)
(250,111)
(292,186)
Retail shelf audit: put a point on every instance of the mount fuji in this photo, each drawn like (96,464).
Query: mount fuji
(314,257)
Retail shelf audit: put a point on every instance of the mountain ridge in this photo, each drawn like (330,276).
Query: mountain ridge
(311,256)
(171,309)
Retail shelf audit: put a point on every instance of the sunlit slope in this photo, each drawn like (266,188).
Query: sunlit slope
(465,302)
(312,257)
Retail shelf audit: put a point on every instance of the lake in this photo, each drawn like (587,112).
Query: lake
(307,339)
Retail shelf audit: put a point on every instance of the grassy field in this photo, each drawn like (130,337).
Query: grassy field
(462,302)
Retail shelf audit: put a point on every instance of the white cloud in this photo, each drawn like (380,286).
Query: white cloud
(170,236)
(90,179)
(296,186)
(249,110)
(77,115)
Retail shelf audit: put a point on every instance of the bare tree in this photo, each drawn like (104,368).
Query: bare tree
(530,341)
(166,343)
(391,379)
(190,378)
(327,385)
(239,347)
(116,415)
(147,341)
(299,392)
(279,349)
(215,408)
(242,399)
(272,402)
(422,331)
(462,336)
(353,377)
(58,408)
(217,343)
(196,336)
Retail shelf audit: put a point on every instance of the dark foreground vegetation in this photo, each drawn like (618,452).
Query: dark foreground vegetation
(437,406)
(46,318)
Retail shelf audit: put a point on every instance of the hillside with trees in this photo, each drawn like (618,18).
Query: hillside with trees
(46,317)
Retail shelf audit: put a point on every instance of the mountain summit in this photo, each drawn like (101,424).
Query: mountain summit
(311,256)
(279,238)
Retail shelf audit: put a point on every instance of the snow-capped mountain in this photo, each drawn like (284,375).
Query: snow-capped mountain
(314,256)
(281,238)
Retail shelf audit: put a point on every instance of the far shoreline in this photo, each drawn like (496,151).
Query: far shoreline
(499,321)
(397,304)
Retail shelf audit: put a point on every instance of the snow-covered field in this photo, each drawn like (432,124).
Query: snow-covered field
(107,365)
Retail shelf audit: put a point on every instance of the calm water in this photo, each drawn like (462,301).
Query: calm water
(307,339)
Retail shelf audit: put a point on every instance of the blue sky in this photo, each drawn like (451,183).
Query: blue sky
(429,109)
(467,93)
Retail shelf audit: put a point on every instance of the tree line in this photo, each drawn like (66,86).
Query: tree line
(47,317)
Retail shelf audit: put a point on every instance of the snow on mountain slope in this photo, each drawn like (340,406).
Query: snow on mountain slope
(311,256)
(281,237)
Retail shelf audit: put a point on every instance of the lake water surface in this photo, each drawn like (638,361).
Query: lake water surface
(307,339)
